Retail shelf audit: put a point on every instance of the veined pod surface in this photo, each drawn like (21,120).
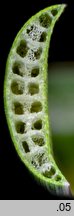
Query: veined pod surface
(25,99)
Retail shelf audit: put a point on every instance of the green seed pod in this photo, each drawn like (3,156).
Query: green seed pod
(25,99)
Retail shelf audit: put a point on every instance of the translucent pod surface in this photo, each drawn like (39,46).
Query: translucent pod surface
(25,99)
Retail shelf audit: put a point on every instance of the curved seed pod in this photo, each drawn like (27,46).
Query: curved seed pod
(25,99)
